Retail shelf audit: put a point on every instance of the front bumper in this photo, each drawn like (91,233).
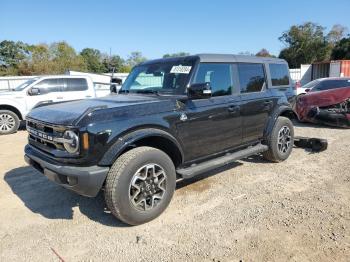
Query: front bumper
(86,181)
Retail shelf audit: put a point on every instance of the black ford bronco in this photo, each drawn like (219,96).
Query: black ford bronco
(172,119)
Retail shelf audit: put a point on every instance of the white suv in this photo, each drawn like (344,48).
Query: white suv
(15,105)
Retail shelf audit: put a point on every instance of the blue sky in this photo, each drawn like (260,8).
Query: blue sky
(159,27)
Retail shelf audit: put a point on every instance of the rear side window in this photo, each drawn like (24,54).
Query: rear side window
(218,75)
(279,74)
(49,85)
(251,77)
(76,84)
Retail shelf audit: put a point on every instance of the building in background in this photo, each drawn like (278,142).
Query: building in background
(8,83)
(338,68)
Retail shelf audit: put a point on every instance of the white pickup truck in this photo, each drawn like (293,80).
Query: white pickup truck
(16,104)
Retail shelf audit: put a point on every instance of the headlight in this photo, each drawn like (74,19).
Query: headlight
(71,141)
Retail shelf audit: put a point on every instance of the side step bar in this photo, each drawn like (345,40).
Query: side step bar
(220,161)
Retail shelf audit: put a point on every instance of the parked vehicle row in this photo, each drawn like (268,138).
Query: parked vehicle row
(193,114)
(15,104)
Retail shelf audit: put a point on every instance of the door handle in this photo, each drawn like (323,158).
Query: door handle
(59,97)
(87,96)
(233,109)
(268,104)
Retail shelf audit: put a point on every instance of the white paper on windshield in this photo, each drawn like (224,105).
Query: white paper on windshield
(179,69)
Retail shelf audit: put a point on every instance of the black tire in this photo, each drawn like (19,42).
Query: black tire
(275,154)
(119,185)
(9,122)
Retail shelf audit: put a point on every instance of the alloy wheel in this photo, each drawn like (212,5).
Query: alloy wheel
(147,187)
(284,139)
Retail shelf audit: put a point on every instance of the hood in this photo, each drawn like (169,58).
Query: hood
(326,98)
(70,113)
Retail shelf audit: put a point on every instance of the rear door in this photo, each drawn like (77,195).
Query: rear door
(76,88)
(213,124)
(256,101)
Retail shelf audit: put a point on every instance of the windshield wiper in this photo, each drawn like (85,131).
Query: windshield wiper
(147,91)
(123,91)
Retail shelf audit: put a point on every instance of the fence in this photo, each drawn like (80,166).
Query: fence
(302,74)
(295,74)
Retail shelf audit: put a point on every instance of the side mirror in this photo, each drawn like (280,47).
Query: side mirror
(200,90)
(113,88)
(34,91)
(307,90)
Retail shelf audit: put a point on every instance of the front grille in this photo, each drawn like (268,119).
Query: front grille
(45,136)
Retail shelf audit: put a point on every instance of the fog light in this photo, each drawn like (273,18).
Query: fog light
(72,142)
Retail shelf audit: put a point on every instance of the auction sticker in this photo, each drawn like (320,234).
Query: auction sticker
(180,69)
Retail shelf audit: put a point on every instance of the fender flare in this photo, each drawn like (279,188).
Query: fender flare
(272,119)
(130,138)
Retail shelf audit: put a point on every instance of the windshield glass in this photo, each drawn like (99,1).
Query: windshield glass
(311,84)
(25,84)
(169,77)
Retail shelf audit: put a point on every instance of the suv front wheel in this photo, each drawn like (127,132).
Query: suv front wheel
(281,140)
(140,185)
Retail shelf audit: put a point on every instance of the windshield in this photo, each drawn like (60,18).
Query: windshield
(169,77)
(25,84)
(311,84)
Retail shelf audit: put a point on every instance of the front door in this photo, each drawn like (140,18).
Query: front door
(50,90)
(211,125)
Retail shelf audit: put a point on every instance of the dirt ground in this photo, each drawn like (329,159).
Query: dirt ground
(252,210)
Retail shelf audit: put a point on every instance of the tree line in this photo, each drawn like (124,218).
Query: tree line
(309,42)
(18,58)
(303,44)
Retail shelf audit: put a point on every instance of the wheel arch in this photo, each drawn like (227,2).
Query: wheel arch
(285,111)
(289,113)
(12,109)
(152,137)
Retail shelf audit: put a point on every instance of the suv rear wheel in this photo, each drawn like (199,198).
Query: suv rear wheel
(140,185)
(281,140)
(9,122)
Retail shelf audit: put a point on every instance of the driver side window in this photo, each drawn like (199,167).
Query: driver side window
(49,85)
(219,75)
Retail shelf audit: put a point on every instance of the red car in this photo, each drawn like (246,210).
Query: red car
(327,103)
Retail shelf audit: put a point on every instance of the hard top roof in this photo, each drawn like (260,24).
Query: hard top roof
(221,58)
(237,58)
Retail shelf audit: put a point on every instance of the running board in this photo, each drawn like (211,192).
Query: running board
(220,161)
